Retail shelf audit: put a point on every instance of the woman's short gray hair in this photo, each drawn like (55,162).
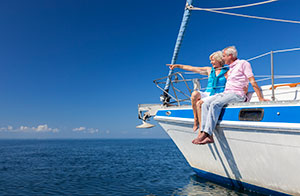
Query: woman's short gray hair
(218,57)
(231,50)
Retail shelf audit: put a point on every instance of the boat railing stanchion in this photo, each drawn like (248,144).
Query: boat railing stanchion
(185,82)
(177,100)
(272,76)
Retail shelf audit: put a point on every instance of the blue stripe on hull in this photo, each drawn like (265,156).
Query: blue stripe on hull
(234,184)
(287,114)
(176,113)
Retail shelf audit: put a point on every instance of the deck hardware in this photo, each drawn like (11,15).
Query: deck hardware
(278,113)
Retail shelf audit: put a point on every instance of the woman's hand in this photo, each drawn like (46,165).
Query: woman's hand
(173,66)
(200,70)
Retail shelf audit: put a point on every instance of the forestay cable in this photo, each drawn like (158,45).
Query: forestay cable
(181,32)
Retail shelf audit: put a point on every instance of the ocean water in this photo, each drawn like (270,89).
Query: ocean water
(99,167)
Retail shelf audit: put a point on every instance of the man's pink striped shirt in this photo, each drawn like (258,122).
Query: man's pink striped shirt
(238,77)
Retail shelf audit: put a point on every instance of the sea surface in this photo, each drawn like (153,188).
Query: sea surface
(99,167)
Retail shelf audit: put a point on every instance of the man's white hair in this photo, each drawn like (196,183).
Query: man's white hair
(231,50)
(218,57)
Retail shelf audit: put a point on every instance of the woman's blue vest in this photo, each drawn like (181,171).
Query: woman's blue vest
(216,84)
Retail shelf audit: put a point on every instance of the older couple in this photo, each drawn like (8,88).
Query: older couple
(216,84)
(207,105)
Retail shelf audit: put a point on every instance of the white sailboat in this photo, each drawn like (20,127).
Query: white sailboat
(257,144)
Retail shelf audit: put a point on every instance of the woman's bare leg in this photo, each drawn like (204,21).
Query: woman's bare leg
(199,109)
(194,98)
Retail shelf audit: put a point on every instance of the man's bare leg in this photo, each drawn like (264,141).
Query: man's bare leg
(194,98)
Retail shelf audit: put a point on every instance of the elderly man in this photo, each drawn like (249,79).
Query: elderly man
(239,75)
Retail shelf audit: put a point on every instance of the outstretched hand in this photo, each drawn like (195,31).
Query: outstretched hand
(172,66)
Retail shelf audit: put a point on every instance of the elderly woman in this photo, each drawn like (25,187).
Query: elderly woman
(216,84)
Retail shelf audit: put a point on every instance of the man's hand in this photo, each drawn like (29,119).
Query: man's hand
(257,89)
(245,89)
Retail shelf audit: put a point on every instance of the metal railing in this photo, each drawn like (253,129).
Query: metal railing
(271,53)
(173,81)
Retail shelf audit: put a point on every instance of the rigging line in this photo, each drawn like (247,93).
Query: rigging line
(200,72)
(286,50)
(260,80)
(256,76)
(275,51)
(165,92)
(245,16)
(278,76)
(243,6)
(291,76)
(258,56)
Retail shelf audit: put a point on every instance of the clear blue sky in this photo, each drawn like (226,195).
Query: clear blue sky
(78,69)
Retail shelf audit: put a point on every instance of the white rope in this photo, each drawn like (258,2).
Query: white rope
(243,6)
(243,15)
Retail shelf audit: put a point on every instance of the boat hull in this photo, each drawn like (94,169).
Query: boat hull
(261,155)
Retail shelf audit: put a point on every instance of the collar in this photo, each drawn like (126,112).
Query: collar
(233,64)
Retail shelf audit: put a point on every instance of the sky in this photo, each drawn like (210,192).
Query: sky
(79,69)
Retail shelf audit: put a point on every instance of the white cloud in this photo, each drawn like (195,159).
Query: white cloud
(8,128)
(86,130)
(79,129)
(22,128)
(44,128)
(92,130)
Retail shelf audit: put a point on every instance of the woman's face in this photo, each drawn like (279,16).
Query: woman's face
(215,63)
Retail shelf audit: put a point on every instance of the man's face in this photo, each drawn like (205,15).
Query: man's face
(227,58)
